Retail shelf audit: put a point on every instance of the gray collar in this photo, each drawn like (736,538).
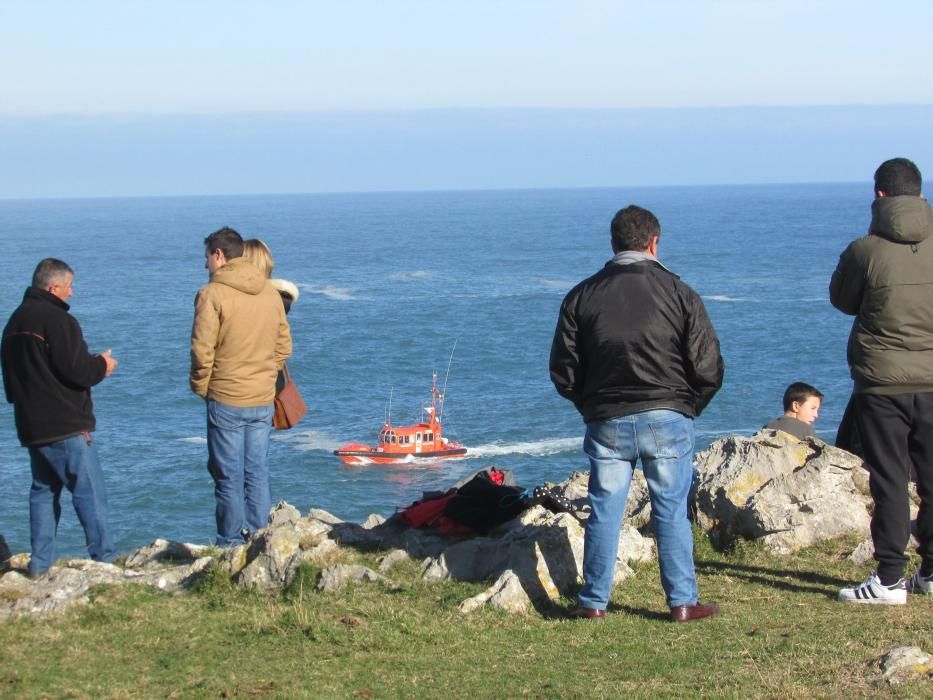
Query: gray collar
(630,257)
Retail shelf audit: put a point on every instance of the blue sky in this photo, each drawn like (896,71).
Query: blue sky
(209,56)
(154,71)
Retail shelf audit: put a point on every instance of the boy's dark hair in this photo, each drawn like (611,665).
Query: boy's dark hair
(48,271)
(898,176)
(228,241)
(633,228)
(799,392)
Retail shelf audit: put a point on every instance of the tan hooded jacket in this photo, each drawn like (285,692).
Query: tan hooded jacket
(240,337)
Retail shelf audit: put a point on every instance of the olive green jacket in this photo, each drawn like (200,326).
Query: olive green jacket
(885,279)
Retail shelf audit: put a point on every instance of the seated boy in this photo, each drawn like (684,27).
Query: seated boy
(801,409)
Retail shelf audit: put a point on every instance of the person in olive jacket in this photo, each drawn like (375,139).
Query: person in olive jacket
(635,352)
(47,376)
(885,280)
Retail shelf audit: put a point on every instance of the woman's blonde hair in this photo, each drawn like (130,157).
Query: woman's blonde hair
(259,254)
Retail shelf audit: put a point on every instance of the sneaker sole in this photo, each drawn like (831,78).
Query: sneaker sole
(873,601)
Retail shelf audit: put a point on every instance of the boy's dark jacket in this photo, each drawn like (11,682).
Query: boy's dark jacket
(48,371)
(885,279)
(633,338)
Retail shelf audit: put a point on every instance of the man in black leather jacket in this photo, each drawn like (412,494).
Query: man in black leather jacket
(635,352)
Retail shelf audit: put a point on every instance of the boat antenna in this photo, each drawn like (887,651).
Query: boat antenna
(440,418)
(389,409)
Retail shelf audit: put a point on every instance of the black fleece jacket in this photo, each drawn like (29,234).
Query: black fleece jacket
(633,338)
(47,370)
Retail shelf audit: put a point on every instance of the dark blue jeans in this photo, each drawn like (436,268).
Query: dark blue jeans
(72,464)
(237,448)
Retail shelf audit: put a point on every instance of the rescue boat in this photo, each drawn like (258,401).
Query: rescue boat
(423,441)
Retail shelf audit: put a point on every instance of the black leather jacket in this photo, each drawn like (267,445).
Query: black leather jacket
(633,338)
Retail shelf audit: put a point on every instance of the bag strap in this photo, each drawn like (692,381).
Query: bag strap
(288,377)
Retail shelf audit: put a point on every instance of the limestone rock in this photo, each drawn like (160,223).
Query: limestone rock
(772,487)
(336,577)
(234,559)
(68,584)
(374,520)
(388,562)
(162,552)
(863,553)
(323,516)
(633,546)
(637,508)
(507,593)
(538,559)
(274,553)
(283,514)
(906,663)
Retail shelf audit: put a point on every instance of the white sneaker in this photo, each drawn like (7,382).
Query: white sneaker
(920,584)
(872,592)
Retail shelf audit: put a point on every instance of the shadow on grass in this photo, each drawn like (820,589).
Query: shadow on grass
(776,578)
(645,613)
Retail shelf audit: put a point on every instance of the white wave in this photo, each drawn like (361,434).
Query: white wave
(723,297)
(556,284)
(197,440)
(336,293)
(539,448)
(410,276)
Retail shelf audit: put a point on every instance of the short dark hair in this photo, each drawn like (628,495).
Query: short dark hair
(48,271)
(898,176)
(799,392)
(228,241)
(633,228)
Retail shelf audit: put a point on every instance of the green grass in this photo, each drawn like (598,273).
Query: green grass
(781,634)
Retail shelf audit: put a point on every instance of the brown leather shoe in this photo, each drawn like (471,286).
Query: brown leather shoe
(587,613)
(686,613)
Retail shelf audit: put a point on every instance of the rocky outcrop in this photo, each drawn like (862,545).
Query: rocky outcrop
(69,583)
(538,559)
(781,491)
(770,487)
(534,559)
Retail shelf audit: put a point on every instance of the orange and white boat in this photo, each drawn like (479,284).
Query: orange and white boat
(422,441)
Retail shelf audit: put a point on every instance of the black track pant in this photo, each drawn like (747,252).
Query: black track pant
(894,430)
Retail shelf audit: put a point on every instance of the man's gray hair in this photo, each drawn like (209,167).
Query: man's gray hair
(50,271)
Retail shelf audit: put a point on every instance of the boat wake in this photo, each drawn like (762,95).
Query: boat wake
(538,448)
(308,440)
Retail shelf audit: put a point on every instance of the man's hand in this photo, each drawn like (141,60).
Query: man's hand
(111,363)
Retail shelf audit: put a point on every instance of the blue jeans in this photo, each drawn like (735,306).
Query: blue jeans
(70,463)
(238,448)
(663,440)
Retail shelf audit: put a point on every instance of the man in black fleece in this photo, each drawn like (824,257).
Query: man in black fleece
(47,376)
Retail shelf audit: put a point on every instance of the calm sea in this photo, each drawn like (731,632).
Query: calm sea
(389,284)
